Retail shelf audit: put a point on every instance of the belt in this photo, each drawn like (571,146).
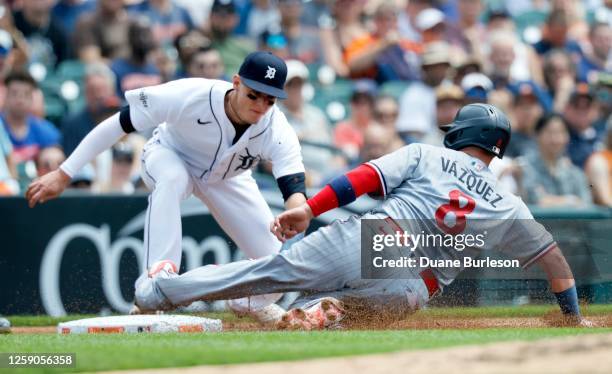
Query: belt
(431,282)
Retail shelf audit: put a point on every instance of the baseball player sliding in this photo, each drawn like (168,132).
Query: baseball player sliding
(209,135)
(418,182)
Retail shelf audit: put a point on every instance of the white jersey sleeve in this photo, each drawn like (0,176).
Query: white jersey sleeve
(153,105)
(283,149)
(397,166)
(525,239)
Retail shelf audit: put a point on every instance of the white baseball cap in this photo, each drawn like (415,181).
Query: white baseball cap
(428,18)
(473,80)
(296,69)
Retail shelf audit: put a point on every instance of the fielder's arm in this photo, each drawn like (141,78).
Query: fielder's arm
(293,188)
(562,285)
(341,191)
(102,137)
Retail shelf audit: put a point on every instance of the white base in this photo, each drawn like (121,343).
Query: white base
(140,323)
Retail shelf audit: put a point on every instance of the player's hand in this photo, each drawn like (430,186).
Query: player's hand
(47,187)
(292,222)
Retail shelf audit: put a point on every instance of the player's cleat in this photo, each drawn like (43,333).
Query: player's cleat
(165,265)
(148,296)
(326,313)
(134,310)
(268,315)
(294,319)
(5,326)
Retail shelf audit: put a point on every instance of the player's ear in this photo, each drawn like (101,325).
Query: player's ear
(236,81)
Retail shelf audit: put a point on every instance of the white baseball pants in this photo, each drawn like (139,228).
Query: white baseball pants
(236,204)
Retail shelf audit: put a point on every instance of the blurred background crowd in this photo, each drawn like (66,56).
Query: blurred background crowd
(365,77)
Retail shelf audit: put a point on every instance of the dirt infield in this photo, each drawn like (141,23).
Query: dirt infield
(580,354)
(417,322)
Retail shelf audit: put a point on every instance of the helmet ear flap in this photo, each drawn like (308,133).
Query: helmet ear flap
(454,136)
(445,128)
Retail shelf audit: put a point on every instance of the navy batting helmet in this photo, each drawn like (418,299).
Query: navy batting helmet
(480,125)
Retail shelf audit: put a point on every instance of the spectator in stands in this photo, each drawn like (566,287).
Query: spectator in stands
(67,12)
(386,111)
(464,65)
(407,19)
(499,18)
(430,22)
(122,171)
(378,141)
(313,11)
(501,57)
(598,58)
(103,34)
(559,76)
(309,123)
(348,135)
(187,44)
(433,26)
(223,20)
(578,27)
(598,170)
(554,35)
(19,55)
(167,19)
(449,99)
(469,33)
(47,41)
(381,54)
(602,92)
(550,179)
(511,60)
(417,114)
(49,159)
(8,173)
(84,179)
(206,63)
(476,88)
(338,32)
(100,102)
(262,15)
(580,114)
(6,61)
(29,134)
(303,42)
(137,70)
(528,106)
(274,41)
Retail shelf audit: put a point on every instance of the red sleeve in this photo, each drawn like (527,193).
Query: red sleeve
(364,179)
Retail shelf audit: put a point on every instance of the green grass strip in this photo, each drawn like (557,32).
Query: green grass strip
(114,352)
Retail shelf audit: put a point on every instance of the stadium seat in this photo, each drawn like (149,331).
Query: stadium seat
(394,88)
(71,70)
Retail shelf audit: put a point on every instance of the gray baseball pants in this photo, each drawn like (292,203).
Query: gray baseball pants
(325,263)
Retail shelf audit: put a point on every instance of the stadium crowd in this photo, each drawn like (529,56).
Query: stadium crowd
(365,77)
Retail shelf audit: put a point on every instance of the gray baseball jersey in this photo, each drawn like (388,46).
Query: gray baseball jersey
(445,191)
(193,124)
(423,185)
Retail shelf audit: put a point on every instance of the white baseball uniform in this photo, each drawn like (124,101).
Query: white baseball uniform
(193,150)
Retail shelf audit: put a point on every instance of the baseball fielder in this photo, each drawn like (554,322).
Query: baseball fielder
(208,136)
(418,182)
